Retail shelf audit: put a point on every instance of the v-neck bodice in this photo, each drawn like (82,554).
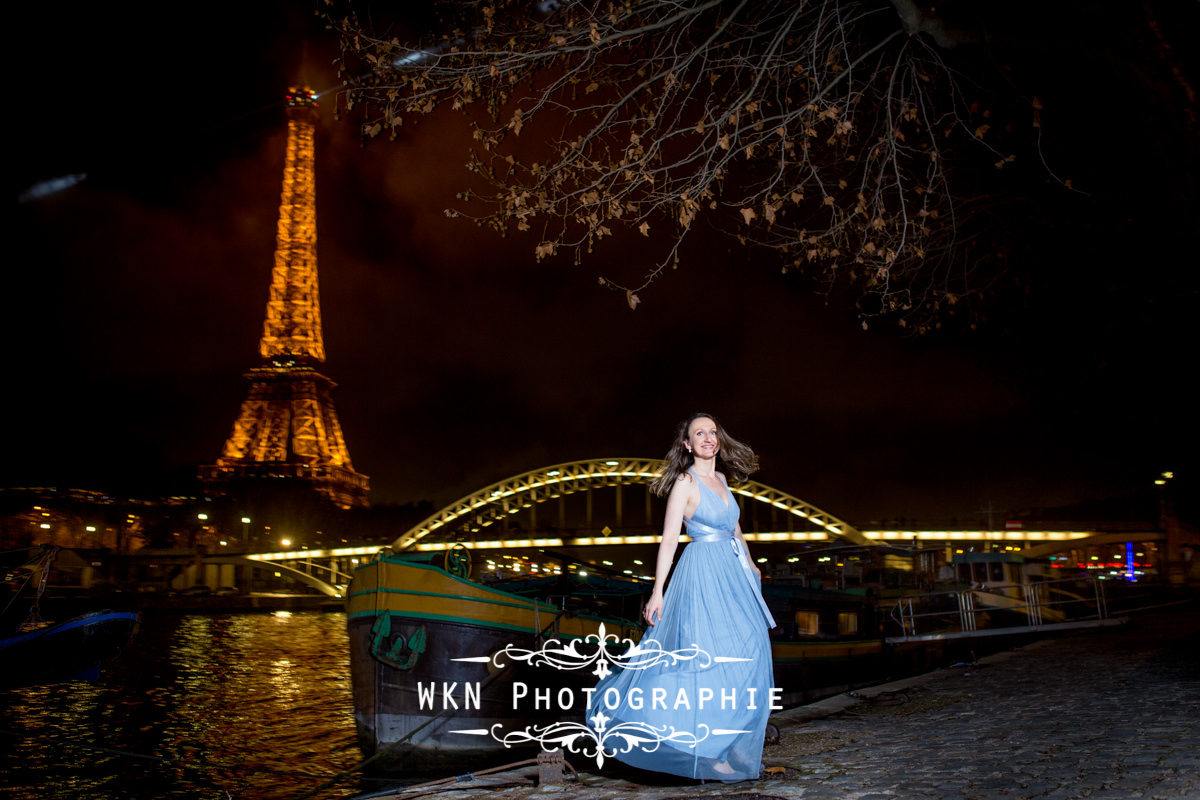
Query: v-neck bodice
(723,500)
(713,510)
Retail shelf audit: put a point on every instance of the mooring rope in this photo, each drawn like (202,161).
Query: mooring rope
(191,763)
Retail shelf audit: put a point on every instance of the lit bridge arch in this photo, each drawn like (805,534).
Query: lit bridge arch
(272,561)
(491,504)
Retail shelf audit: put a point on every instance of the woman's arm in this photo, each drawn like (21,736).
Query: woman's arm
(677,504)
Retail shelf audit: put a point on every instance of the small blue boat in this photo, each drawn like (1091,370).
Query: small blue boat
(35,652)
(70,650)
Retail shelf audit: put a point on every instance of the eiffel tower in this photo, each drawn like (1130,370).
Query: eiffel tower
(287,432)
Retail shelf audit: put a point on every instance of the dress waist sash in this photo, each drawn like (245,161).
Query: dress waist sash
(699,532)
(703,534)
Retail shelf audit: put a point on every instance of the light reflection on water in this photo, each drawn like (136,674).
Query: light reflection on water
(253,706)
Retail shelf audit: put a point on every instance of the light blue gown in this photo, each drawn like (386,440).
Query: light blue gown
(714,602)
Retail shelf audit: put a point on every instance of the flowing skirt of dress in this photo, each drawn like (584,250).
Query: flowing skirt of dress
(724,705)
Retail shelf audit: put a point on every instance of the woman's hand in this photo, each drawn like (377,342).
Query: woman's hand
(653,610)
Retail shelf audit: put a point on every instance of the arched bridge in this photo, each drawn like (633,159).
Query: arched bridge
(264,561)
(491,504)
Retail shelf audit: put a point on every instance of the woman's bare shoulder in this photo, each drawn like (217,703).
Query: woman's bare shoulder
(683,484)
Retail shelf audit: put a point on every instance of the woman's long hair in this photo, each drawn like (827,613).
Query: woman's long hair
(734,459)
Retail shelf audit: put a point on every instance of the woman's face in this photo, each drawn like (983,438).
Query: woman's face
(702,438)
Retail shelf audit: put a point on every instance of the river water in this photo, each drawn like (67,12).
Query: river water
(226,706)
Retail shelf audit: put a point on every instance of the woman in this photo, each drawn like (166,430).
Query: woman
(708,716)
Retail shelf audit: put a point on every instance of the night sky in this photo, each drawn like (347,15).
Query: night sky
(134,302)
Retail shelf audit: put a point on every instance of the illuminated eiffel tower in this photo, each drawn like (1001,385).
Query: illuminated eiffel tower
(287,432)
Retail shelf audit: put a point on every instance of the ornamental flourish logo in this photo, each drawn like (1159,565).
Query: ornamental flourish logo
(599,740)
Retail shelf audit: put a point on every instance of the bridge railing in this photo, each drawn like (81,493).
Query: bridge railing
(995,609)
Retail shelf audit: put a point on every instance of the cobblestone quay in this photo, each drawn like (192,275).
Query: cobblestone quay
(1103,714)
